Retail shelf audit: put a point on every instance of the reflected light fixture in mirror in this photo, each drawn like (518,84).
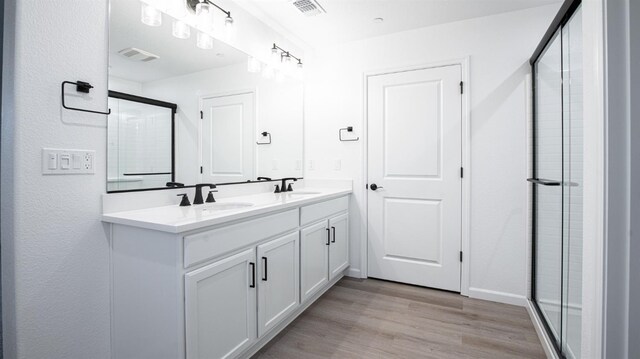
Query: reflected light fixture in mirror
(204,12)
(149,15)
(180,29)
(204,41)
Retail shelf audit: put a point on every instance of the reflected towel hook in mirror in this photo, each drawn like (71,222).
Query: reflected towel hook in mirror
(348,129)
(83,87)
(265,134)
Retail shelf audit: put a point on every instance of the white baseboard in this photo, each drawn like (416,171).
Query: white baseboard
(354,273)
(542,334)
(500,297)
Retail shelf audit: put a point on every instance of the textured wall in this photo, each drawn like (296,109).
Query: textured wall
(55,255)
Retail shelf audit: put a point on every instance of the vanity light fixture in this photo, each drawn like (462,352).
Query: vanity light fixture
(204,9)
(181,29)
(285,56)
(204,41)
(150,15)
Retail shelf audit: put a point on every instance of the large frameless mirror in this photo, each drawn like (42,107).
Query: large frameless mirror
(231,123)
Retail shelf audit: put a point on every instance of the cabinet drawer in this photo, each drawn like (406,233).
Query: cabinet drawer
(216,242)
(318,211)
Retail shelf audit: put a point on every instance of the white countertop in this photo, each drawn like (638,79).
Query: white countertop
(176,219)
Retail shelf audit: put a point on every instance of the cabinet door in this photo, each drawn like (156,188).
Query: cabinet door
(278,283)
(220,307)
(314,258)
(339,247)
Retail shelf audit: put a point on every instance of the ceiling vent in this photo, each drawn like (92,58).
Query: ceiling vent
(309,7)
(136,54)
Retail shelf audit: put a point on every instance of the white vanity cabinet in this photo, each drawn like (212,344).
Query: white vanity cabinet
(220,307)
(324,246)
(226,290)
(278,283)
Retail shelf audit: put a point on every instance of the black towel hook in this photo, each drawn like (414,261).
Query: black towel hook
(81,86)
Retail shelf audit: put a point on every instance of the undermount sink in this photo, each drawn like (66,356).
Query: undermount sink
(226,206)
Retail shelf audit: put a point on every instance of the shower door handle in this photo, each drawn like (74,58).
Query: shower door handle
(544,182)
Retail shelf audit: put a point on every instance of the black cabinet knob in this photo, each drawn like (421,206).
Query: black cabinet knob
(374,186)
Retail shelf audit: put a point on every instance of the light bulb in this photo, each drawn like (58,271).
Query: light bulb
(253,65)
(204,12)
(204,41)
(149,15)
(287,58)
(275,56)
(299,64)
(180,29)
(228,21)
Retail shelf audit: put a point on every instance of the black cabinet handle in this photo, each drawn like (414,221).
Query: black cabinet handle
(328,236)
(253,275)
(264,277)
(334,235)
(544,182)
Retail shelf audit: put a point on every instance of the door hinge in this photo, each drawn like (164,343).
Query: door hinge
(201,115)
(461,87)
(200,169)
(461,172)
(460,256)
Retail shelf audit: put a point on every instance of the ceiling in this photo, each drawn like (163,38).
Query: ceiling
(349,20)
(177,56)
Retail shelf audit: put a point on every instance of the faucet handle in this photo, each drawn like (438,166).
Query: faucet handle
(289,188)
(277,189)
(185,200)
(210,198)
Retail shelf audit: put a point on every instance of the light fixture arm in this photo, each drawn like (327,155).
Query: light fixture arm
(285,53)
(192,4)
(228,13)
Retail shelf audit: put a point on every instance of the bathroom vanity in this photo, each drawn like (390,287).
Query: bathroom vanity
(220,280)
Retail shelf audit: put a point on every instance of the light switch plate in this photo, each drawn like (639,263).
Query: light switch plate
(72,162)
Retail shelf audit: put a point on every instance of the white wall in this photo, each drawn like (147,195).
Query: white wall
(55,253)
(499,48)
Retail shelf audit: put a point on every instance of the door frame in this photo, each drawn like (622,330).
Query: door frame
(465,163)
(249,91)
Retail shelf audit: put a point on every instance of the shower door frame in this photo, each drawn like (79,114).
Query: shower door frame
(565,13)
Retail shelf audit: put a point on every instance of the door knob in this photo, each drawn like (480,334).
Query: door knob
(374,186)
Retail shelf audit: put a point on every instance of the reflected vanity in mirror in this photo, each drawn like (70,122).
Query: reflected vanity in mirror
(191,112)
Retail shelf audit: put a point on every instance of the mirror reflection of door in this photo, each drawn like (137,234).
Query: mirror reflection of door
(227,138)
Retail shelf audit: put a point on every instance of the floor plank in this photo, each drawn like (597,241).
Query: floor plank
(378,319)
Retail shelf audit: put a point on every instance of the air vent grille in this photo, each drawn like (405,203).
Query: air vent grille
(136,54)
(308,7)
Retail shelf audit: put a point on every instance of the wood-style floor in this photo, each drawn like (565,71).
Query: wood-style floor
(377,319)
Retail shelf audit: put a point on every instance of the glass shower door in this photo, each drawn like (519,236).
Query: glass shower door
(547,189)
(557,186)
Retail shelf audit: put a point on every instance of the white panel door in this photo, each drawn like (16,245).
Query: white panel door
(314,259)
(339,246)
(414,150)
(279,286)
(220,307)
(227,138)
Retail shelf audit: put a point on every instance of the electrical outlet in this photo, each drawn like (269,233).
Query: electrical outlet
(312,165)
(71,162)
